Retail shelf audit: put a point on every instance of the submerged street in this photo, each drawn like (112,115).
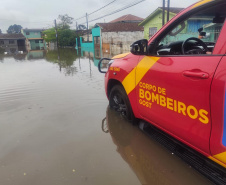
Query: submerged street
(56,128)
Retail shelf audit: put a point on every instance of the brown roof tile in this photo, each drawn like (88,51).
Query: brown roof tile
(12,36)
(120,27)
(128,18)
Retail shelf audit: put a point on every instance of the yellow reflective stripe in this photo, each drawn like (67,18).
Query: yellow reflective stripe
(201,3)
(220,159)
(120,56)
(144,65)
(129,81)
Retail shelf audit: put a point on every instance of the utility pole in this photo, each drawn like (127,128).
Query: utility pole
(56,32)
(163,12)
(57,45)
(168,10)
(87,26)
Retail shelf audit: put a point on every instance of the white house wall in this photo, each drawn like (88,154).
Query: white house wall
(121,40)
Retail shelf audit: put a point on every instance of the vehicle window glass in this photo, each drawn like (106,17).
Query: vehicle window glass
(195,35)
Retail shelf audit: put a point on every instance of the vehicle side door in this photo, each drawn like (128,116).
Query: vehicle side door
(218,107)
(173,89)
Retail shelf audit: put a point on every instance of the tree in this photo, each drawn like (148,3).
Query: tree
(14,29)
(65,21)
(49,35)
(66,37)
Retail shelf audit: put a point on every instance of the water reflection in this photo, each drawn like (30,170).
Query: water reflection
(95,54)
(34,55)
(63,57)
(151,163)
(17,57)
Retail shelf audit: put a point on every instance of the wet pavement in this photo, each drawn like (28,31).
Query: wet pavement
(56,128)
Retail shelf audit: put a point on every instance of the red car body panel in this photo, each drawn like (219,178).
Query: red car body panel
(186,100)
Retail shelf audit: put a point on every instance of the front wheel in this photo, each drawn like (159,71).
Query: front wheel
(119,101)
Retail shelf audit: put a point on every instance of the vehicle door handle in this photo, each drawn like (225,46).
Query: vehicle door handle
(196,74)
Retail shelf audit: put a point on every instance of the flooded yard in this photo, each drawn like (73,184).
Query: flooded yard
(56,128)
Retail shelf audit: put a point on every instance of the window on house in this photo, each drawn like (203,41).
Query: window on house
(27,33)
(152,31)
(1,42)
(41,41)
(36,41)
(11,42)
(97,40)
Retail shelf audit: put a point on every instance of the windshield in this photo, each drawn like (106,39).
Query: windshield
(205,25)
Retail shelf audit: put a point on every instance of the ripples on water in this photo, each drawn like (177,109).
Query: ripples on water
(29,78)
(50,128)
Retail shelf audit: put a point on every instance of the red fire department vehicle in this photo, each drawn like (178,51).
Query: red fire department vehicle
(177,80)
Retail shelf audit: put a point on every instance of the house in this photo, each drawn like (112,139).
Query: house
(118,34)
(12,43)
(34,40)
(154,22)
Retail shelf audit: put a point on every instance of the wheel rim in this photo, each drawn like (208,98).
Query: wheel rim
(119,104)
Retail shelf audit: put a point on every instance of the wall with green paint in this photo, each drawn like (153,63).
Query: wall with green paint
(37,44)
(32,34)
(96,32)
(155,21)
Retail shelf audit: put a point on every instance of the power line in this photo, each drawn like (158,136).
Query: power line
(118,10)
(102,7)
(79,18)
(118,5)
(96,10)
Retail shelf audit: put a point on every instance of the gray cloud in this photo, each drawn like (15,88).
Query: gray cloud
(41,13)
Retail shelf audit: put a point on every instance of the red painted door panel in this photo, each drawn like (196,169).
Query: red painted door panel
(218,112)
(174,94)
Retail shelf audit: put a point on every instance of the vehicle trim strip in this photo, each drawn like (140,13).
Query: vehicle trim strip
(224,127)
(201,3)
(219,158)
(144,65)
(120,56)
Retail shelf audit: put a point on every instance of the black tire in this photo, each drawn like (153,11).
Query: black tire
(119,101)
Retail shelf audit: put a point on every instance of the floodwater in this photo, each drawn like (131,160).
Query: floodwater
(56,128)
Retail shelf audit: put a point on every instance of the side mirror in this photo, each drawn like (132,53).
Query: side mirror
(104,64)
(139,47)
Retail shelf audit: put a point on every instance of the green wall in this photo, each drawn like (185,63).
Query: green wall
(96,32)
(155,21)
(32,34)
(34,45)
(37,36)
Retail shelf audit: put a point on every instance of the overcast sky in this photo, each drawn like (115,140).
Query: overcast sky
(41,13)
